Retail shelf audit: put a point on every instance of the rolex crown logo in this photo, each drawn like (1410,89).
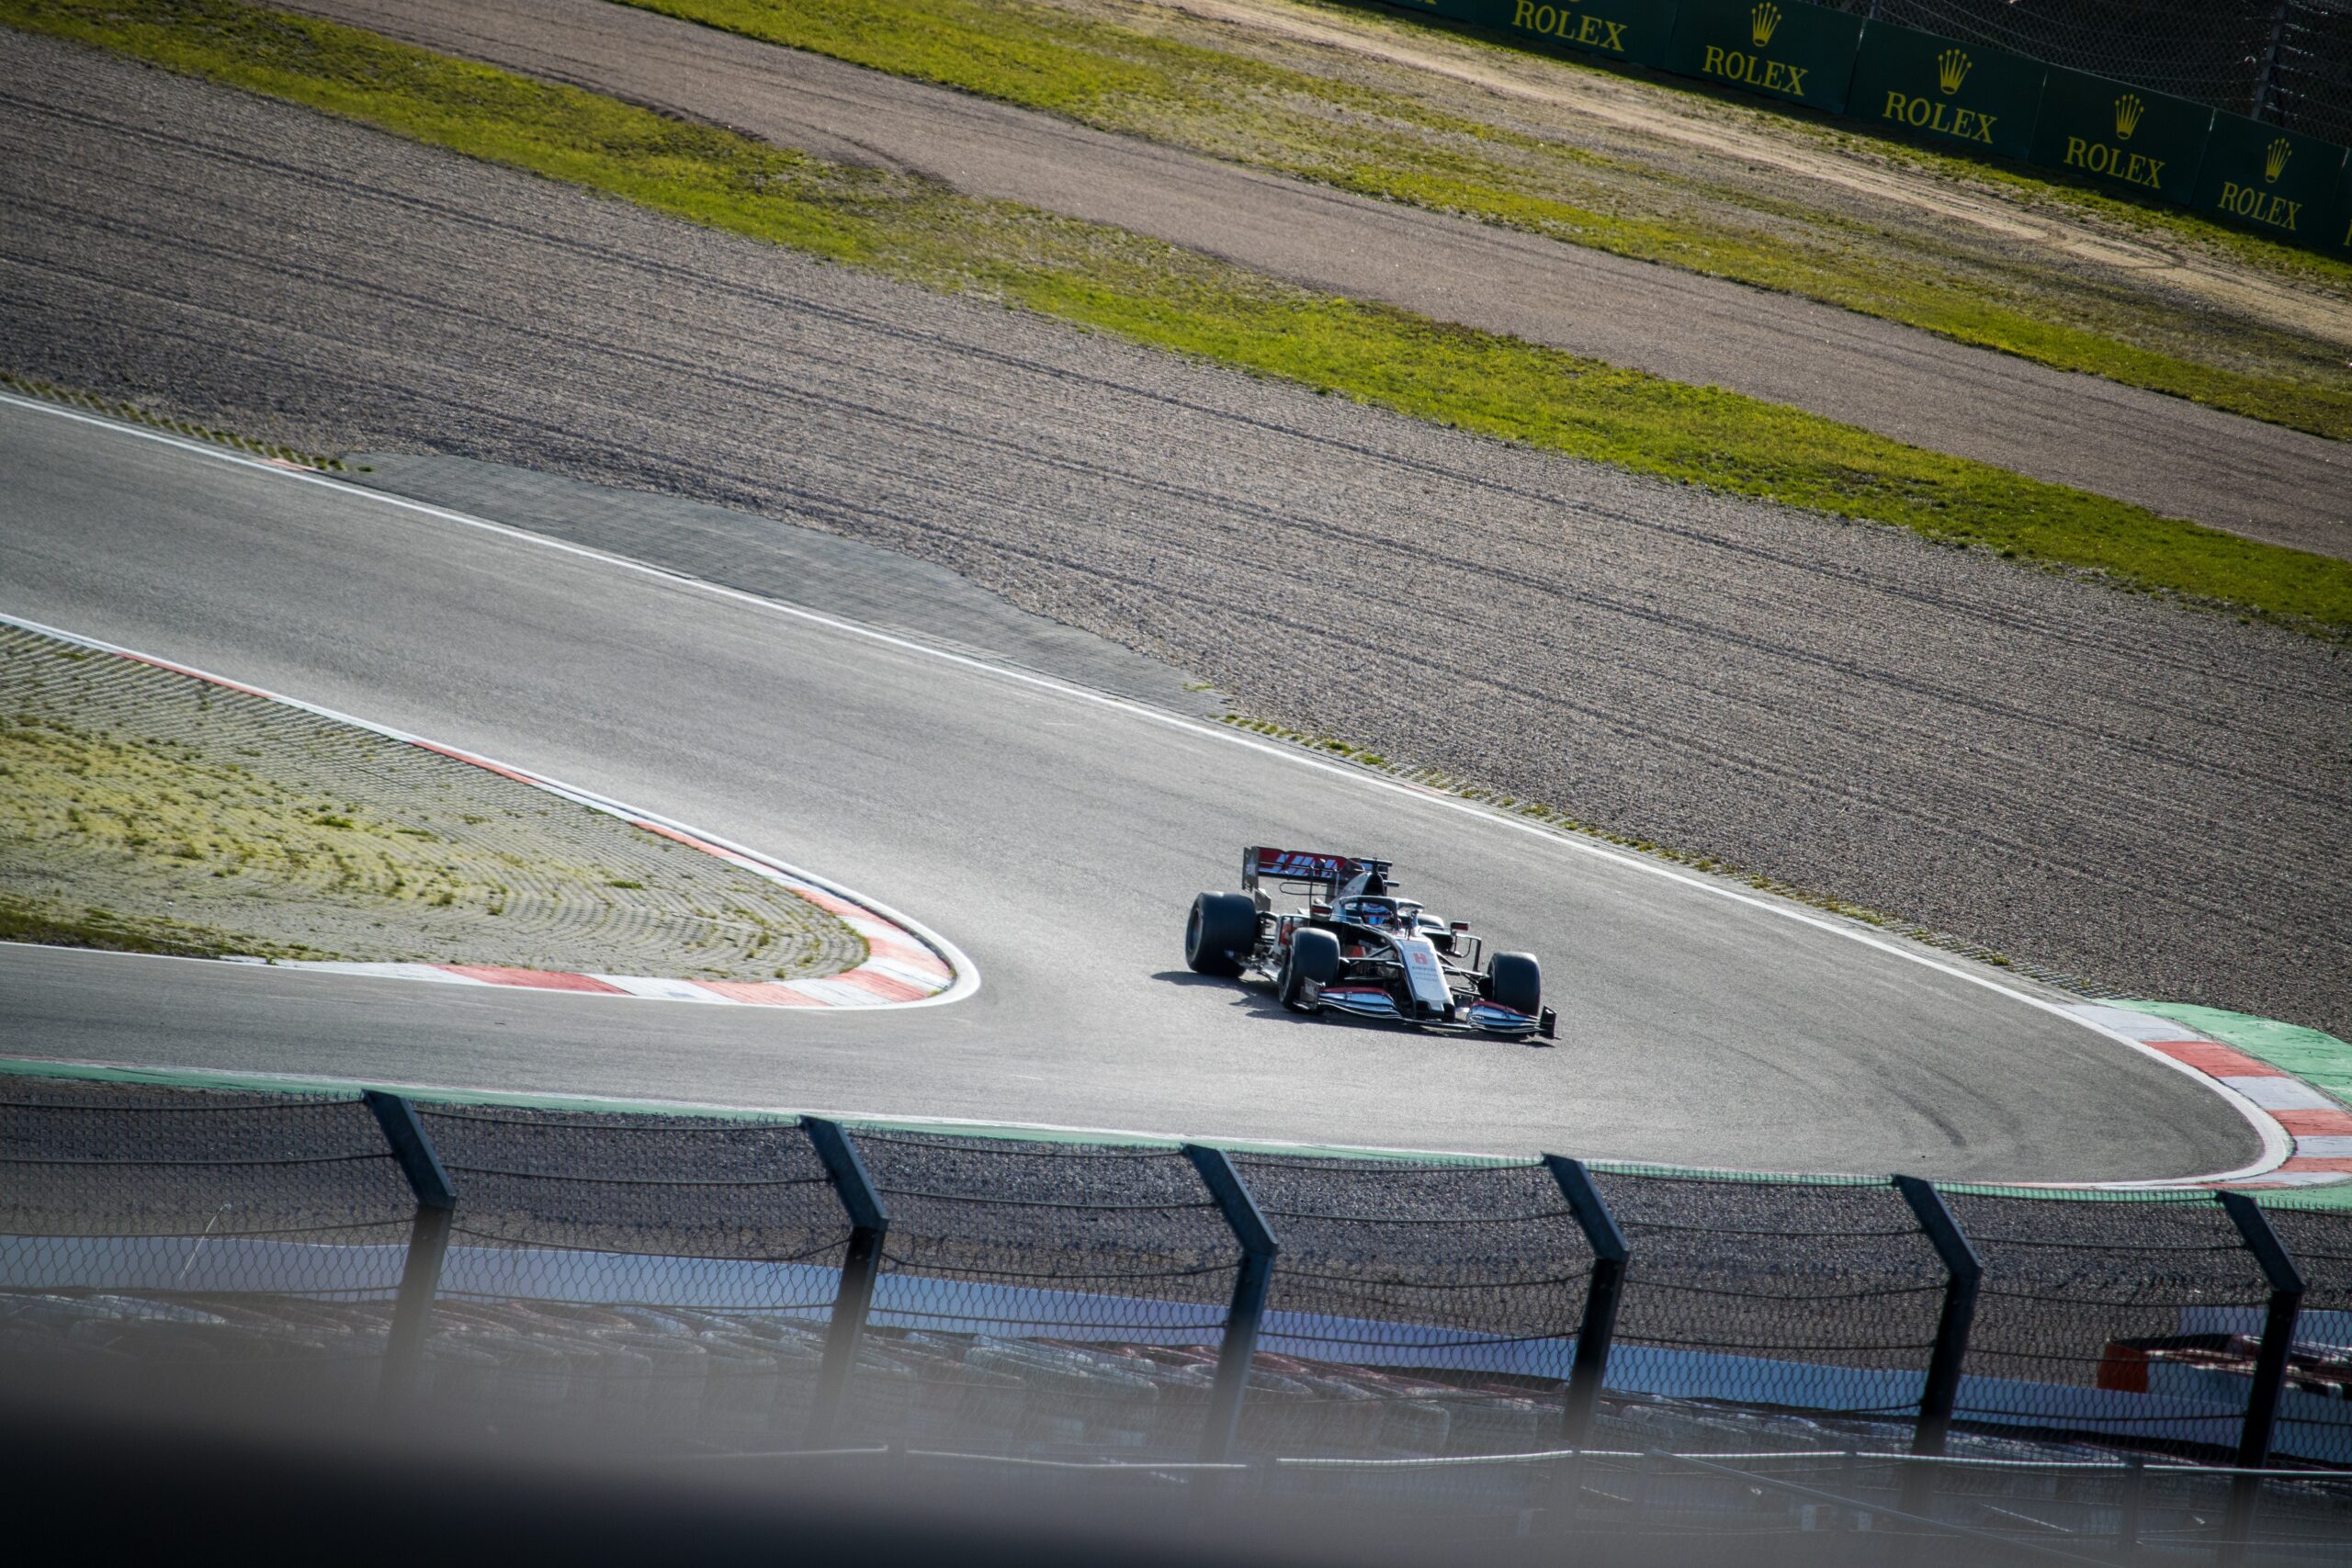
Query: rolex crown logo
(2276,163)
(1951,70)
(1763,22)
(2128,110)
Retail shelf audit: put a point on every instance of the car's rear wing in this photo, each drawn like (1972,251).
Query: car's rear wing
(1318,870)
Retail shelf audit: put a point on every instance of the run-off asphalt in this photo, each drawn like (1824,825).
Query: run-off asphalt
(2149,796)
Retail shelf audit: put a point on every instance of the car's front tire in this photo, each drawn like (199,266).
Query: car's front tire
(1516,981)
(1221,925)
(1314,956)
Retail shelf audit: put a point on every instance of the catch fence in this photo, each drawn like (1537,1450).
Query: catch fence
(749,1284)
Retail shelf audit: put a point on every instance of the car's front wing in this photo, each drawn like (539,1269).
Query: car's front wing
(1476,1016)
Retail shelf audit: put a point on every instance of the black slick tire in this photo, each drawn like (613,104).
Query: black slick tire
(1220,925)
(1516,981)
(1314,956)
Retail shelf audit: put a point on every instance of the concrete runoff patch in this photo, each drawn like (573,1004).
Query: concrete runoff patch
(777,938)
(2071,777)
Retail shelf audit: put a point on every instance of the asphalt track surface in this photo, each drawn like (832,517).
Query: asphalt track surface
(2158,799)
(1054,837)
(2170,456)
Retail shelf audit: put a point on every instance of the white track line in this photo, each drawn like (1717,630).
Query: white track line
(2276,1146)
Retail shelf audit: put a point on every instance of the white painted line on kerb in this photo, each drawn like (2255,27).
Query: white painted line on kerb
(2276,1146)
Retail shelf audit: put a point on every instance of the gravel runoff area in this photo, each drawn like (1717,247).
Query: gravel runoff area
(2161,452)
(144,804)
(2150,796)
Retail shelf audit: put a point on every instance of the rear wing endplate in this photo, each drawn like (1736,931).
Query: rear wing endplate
(1310,866)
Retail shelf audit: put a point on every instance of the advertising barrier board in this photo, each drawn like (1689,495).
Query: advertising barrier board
(2123,135)
(2293,187)
(1633,30)
(2262,177)
(1784,49)
(1983,98)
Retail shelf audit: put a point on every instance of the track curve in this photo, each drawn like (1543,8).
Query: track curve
(1054,835)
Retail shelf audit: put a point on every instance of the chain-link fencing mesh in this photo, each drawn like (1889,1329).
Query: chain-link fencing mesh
(668,1283)
(170,1244)
(2289,61)
(1416,1310)
(2111,1317)
(663,1279)
(2315,1407)
(2311,82)
(1040,1299)
(1816,1298)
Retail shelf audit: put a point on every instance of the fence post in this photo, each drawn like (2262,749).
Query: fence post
(1607,1287)
(2266,81)
(861,1260)
(428,1241)
(2269,1362)
(1259,1250)
(1963,1273)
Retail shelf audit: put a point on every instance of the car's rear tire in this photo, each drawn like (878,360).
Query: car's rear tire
(1314,956)
(1220,925)
(1516,981)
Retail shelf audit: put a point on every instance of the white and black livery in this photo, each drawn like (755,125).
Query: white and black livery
(1359,948)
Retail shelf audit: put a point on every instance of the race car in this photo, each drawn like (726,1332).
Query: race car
(1357,947)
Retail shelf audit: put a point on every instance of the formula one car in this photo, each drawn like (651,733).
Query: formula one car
(1359,948)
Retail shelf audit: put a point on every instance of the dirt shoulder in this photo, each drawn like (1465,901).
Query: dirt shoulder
(145,810)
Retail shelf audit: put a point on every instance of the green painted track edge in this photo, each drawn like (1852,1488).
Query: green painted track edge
(2317,1058)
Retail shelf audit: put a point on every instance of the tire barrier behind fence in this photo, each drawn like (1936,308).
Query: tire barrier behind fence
(2082,87)
(762,1283)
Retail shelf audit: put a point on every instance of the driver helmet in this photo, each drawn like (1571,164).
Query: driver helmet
(1377,912)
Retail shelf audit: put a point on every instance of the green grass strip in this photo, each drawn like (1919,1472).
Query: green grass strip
(1390,146)
(78,925)
(1160,295)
